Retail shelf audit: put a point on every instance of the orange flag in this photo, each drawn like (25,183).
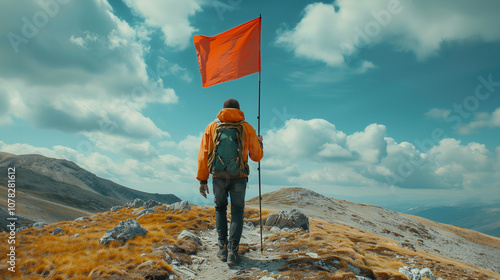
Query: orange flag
(230,55)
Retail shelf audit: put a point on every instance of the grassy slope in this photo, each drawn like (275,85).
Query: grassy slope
(41,255)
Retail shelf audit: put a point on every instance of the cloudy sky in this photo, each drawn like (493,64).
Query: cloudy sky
(374,101)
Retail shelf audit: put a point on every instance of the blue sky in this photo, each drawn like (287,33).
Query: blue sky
(376,101)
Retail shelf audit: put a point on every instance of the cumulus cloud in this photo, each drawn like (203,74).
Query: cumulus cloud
(76,73)
(314,152)
(334,33)
(171,16)
(482,119)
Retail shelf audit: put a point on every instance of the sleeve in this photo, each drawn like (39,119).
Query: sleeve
(203,174)
(255,150)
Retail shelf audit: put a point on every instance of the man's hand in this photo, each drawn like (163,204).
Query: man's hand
(260,141)
(203,189)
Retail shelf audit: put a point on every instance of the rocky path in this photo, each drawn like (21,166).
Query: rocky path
(208,266)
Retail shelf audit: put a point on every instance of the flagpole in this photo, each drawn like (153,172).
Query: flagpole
(260,193)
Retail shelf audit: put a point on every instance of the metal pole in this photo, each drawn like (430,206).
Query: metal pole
(260,193)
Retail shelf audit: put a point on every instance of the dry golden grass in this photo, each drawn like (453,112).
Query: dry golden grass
(42,255)
(376,256)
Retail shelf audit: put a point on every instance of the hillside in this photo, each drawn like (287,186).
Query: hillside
(328,250)
(463,245)
(50,190)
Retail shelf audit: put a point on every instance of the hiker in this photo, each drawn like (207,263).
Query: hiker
(224,150)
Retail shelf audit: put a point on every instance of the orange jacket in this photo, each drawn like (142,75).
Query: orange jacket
(251,146)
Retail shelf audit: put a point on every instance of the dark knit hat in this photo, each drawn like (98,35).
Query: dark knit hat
(231,103)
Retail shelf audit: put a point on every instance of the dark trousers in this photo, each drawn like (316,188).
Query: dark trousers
(234,188)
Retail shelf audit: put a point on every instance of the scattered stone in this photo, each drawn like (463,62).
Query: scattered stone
(417,274)
(85,226)
(292,219)
(362,278)
(39,225)
(143,254)
(143,212)
(266,278)
(407,245)
(426,272)
(136,203)
(312,255)
(181,205)
(186,271)
(295,252)
(82,218)
(198,260)
(354,269)
(58,230)
(146,263)
(114,208)
(189,235)
(76,235)
(150,204)
(126,230)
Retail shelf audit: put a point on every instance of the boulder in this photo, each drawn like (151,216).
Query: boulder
(292,219)
(151,204)
(189,235)
(114,208)
(39,225)
(123,232)
(58,230)
(136,203)
(181,205)
(414,273)
(143,212)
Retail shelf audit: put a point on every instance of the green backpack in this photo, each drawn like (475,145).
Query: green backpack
(226,159)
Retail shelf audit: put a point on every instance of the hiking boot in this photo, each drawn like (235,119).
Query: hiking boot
(233,258)
(222,254)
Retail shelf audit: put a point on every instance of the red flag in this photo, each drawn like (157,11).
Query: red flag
(230,55)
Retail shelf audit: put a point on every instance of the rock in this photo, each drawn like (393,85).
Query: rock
(146,263)
(57,230)
(82,218)
(181,205)
(136,203)
(362,278)
(426,272)
(151,204)
(354,269)
(312,255)
(292,219)
(114,208)
(295,252)
(126,230)
(85,226)
(144,212)
(407,245)
(39,225)
(411,273)
(266,278)
(189,235)
(76,235)
(186,271)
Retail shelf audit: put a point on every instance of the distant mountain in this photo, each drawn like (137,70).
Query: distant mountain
(410,231)
(51,190)
(484,218)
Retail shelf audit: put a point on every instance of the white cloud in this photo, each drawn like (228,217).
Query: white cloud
(314,153)
(333,33)
(78,72)
(482,119)
(438,113)
(171,16)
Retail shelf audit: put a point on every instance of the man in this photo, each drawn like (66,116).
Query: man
(227,183)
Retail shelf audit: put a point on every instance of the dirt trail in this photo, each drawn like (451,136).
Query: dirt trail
(208,266)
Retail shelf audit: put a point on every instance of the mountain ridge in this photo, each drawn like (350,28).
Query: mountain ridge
(43,182)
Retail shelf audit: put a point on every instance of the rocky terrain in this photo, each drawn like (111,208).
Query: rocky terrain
(408,231)
(51,190)
(153,240)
